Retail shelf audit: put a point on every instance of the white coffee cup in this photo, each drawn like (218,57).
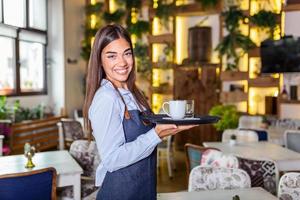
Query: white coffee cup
(176,109)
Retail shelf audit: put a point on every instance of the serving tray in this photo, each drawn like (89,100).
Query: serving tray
(165,119)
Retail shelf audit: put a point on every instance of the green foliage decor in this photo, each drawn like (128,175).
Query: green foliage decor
(228,114)
(208,3)
(265,19)
(235,44)
(142,59)
(16,113)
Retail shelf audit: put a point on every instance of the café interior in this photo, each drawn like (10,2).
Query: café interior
(234,64)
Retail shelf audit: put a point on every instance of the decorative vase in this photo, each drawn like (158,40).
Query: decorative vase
(232,142)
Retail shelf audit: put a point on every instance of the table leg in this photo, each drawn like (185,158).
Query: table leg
(77,188)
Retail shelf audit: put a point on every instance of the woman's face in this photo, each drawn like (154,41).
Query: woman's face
(117,61)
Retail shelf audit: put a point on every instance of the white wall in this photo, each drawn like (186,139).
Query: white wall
(291,28)
(56,54)
(74,71)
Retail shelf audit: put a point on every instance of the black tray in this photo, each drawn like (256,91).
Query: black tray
(165,119)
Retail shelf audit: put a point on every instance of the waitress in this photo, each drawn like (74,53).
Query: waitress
(112,108)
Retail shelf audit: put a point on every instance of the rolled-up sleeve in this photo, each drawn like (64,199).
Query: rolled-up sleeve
(106,121)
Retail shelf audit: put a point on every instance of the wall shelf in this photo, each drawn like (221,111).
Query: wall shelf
(264,82)
(289,101)
(292,7)
(232,97)
(163,38)
(254,52)
(196,9)
(233,76)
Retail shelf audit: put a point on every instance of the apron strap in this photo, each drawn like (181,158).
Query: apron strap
(126,112)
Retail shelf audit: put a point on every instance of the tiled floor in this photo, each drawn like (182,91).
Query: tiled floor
(179,181)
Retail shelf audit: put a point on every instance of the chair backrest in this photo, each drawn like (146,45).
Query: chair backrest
(212,178)
(241,135)
(263,173)
(33,185)
(215,158)
(251,122)
(292,140)
(78,116)
(86,154)
(289,186)
(1,144)
(193,155)
(69,131)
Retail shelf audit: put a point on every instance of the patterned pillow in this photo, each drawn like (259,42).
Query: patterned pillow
(261,172)
(289,187)
(216,158)
(86,154)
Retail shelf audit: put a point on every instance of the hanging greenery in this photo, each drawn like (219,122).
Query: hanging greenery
(142,59)
(93,9)
(88,31)
(265,19)
(115,17)
(235,44)
(208,3)
(164,11)
(139,28)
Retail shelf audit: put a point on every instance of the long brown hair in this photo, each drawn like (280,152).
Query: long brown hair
(96,73)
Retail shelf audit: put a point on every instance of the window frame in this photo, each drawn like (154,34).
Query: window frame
(17,90)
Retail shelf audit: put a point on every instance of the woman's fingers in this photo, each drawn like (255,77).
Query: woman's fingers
(164,130)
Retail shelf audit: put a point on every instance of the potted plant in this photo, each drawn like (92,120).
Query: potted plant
(228,114)
(232,140)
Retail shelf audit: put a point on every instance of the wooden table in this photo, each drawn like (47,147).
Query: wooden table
(285,159)
(68,171)
(244,194)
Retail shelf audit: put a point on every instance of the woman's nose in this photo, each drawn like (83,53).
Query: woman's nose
(122,61)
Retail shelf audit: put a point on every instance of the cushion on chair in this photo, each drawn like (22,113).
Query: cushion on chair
(87,188)
(212,178)
(72,130)
(194,157)
(216,158)
(289,187)
(86,154)
(263,173)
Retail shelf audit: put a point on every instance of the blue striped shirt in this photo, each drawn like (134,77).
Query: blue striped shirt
(106,115)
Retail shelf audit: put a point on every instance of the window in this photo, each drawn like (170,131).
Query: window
(14,12)
(37,14)
(23,36)
(0,11)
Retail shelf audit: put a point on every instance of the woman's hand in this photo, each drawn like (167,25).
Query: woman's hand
(164,130)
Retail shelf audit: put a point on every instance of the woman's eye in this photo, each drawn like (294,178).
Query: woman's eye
(128,54)
(111,56)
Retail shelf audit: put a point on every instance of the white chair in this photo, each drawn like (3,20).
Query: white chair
(216,158)
(165,150)
(241,135)
(250,122)
(69,130)
(1,144)
(289,186)
(87,156)
(213,178)
(292,140)
(78,116)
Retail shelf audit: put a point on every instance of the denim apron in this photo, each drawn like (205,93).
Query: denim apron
(136,181)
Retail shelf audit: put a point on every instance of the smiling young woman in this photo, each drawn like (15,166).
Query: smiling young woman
(112,109)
